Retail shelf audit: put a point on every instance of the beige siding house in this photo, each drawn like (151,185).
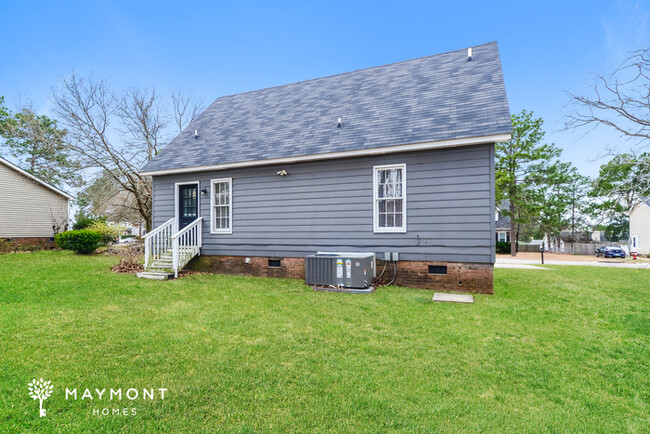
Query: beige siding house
(29,207)
(640,227)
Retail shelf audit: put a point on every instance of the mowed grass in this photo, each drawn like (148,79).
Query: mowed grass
(563,350)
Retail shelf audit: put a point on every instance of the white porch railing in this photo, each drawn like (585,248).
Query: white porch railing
(186,244)
(158,242)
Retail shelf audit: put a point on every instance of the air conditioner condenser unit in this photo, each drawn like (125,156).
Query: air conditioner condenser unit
(340,269)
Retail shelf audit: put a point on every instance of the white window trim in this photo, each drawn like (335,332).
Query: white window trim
(214,230)
(375,214)
(176,204)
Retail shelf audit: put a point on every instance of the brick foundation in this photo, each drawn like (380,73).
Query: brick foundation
(293,268)
(460,277)
(40,242)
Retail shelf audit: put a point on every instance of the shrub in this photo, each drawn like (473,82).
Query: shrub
(8,246)
(5,246)
(109,233)
(503,248)
(28,248)
(81,241)
(85,222)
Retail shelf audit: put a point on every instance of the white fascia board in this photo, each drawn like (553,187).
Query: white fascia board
(451,143)
(33,178)
(635,204)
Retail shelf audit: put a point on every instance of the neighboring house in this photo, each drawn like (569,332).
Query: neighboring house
(536,244)
(640,227)
(599,237)
(554,244)
(30,208)
(135,229)
(502,224)
(396,158)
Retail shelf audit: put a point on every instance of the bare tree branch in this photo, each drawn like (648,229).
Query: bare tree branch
(117,135)
(87,107)
(620,101)
(141,116)
(186,109)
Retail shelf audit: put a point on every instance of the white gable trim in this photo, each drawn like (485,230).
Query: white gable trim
(636,204)
(344,154)
(33,178)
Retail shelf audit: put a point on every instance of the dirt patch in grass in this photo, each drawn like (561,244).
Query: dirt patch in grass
(126,268)
(184,273)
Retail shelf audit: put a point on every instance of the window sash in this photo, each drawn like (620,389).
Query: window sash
(390,198)
(221,205)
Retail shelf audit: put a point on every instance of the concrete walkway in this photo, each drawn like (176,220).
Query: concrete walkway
(520,266)
(507,262)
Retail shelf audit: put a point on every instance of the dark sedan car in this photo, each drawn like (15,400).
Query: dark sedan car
(600,250)
(611,252)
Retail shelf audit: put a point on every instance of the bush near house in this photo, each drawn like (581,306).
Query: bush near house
(109,233)
(503,248)
(84,222)
(9,245)
(5,246)
(82,241)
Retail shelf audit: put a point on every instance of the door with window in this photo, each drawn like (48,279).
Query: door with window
(188,204)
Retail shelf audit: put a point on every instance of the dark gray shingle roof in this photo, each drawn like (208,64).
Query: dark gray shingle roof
(427,99)
(503,222)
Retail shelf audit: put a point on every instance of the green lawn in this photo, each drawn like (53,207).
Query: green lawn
(564,350)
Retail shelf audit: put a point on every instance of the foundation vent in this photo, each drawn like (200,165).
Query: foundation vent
(437,269)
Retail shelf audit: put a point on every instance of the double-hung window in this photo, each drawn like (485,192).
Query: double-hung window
(221,206)
(390,198)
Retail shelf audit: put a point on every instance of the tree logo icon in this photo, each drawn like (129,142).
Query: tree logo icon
(40,390)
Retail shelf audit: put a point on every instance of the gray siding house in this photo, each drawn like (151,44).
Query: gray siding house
(397,158)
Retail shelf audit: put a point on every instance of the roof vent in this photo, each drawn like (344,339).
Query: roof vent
(340,122)
(196,133)
(469,54)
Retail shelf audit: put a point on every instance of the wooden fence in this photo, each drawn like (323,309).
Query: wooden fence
(571,248)
(583,248)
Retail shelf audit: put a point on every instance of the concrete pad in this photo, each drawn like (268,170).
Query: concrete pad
(454,298)
(522,266)
(345,290)
(153,276)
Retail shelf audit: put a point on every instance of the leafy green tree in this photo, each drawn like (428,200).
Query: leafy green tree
(617,228)
(578,190)
(39,145)
(516,161)
(558,190)
(621,181)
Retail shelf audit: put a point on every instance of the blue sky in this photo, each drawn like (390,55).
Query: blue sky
(210,49)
